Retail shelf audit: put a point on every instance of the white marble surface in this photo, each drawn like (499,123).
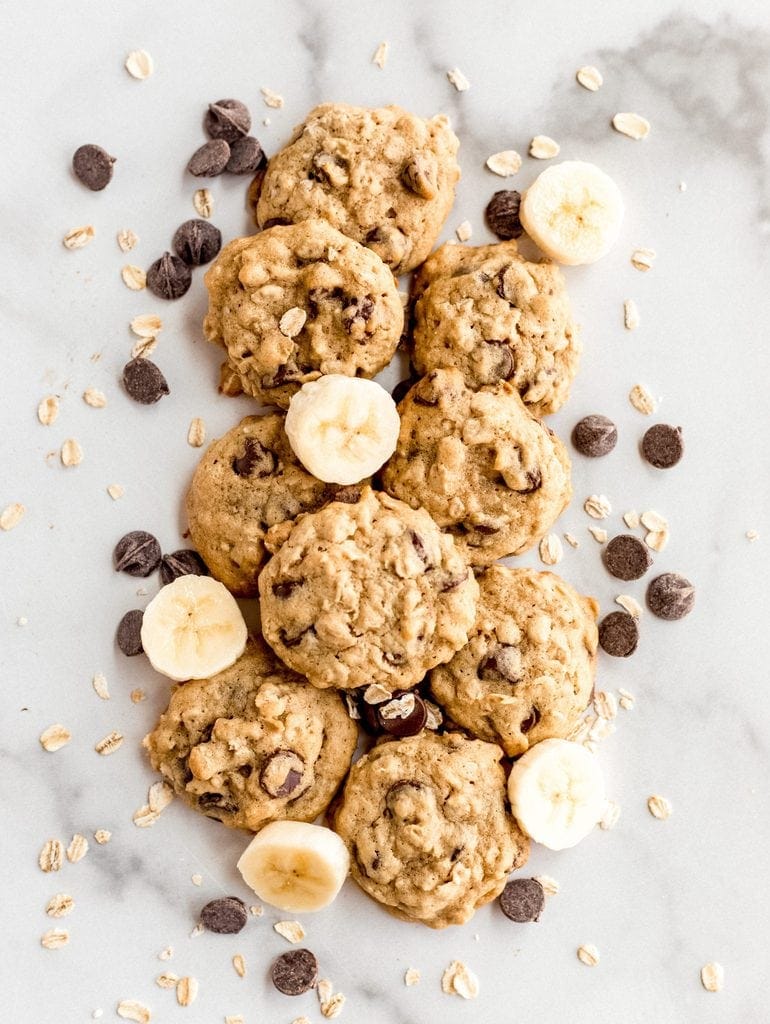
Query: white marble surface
(659,899)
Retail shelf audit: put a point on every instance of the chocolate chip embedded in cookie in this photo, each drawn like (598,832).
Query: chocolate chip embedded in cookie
(254,743)
(527,671)
(384,177)
(495,316)
(368,592)
(427,826)
(294,303)
(487,471)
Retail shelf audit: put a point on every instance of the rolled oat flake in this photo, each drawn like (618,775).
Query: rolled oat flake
(295,972)
(93,166)
(228,120)
(523,900)
(225,916)
(594,436)
(144,381)
(169,277)
(663,445)
(137,553)
(129,633)
(670,596)
(626,557)
(618,634)
(210,159)
(197,242)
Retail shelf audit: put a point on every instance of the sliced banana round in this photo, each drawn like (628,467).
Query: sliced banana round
(342,429)
(193,629)
(573,212)
(557,793)
(295,866)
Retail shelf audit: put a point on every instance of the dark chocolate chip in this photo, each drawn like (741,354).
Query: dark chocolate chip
(595,435)
(210,159)
(285,588)
(275,222)
(419,547)
(357,314)
(129,634)
(401,389)
(530,721)
(137,553)
(294,972)
(225,916)
(453,582)
(197,242)
(502,214)
(293,641)
(626,558)
(350,494)
(256,460)
(502,664)
(144,382)
(534,482)
(618,634)
(663,445)
(402,720)
(93,166)
(227,119)
(169,277)
(670,596)
(246,156)
(281,773)
(181,563)
(523,900)
(217,802)
(503,366)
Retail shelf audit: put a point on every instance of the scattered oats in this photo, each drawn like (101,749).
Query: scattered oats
(159,795)
(48,410)
(459,980)
(51,857)
(598,534)
(292,322)
(712,976)
(126,239)
(236,1018)
(97,1014)
(629,604)
(579,731)
(550,885)
(166,954)
(148,325)
(605,704)
(139,64)
(376,693)
(186,990)
(551,549)
(71,453)
(332,1007)
(600,730)
(590,745)
(458,79)
(102,836)
(542,147)
(11,516)
(266,121)
(203,201)
(137,695)
(627,699)
(167,980)
(652,520)
(292,931)
(656,539)
(297,1020)
(131,1009)
(590,77)
(115,491)
(682,186)
(22,620)
(588,954)
(77,848)
(272,99)
(133,277)
(610,815)
(324,989)
(633,125)
(630,315)
(643,259)
(78,237)
(55,938)
(631,519)
(95,398)
(240,965)
(572,540)
(100,686)
(598,506)
(412,977)
(659,807)
(256,910)
(380,57)
(641,399)
(197,930)
(752,535)
(144,816)
(109,744)
(196,435)
(55,737)
(59,905)
(505,163)
(464,231)
(196,879)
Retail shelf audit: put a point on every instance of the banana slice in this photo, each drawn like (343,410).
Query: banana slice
(573,212)
(556,791)
(342,428)
(295,866)
(193,629)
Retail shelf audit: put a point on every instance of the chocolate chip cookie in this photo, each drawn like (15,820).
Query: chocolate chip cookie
(382,176)
(254,743)
(246,482)
(428,828)
(527,671)
(362,593)
(488,472)
(293,303)
(495,316)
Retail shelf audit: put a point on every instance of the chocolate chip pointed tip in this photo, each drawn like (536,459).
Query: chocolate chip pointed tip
(227,119)
(137,553)
(197,242)
(670,596)
(169,277)
(184,562)
(246,156)
(595,436)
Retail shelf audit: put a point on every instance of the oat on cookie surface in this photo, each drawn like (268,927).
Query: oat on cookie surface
(488,472)
(382,176)
(527,671)
(363,593)
(293,303)
(427,826)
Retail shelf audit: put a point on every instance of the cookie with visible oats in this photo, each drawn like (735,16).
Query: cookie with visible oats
(527,671)
(383,176)
(293,303)
(254,744)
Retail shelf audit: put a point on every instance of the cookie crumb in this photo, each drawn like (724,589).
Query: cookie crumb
(196,434)
(543,147)
(380,57)
(598,506)
(115,491)
(271,98)
(127,240)
(139,64)
(55,737)
(77,848)
(256,910)
(76,238)
(239,965)
(659,807)
(137,695)
(505,163)
(166,954)
(682,186)
(641,399)
(590,78)
(109,744)
(712,976)
(588,954)
(411,977)
(292,931)
(11,516)
(48,410)
(458,80)
(551,549)
(634,126)
(643,259)
(550,885)
(102,836)
(133,277)
(610,815)
(71,453)
(598,534)
(54,938)
(464,231)
(630,315)
(459,980)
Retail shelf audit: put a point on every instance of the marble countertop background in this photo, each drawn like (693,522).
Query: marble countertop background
(658,898)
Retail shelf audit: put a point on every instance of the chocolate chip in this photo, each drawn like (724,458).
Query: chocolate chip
(350,495)
(403,715)
(227,119)
(285,588)
(530,721)
(218,802)
(297,638)
(618,634)
(197,242)
(281,773)
(626,558)
(501,664)
(663,445)
(523,900)
(453,582)
(275,222)
(137,553)
(181,563)
(357,314)
(169,277)
(419,547)
(246,156)
(210,159)
(670,596)
(93,166)
(503,364)
(534,482)
(502,214)
(401,390)
(256,460)
(225,916)
(594,436)
(144,382)
(294,972)
(129,634)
